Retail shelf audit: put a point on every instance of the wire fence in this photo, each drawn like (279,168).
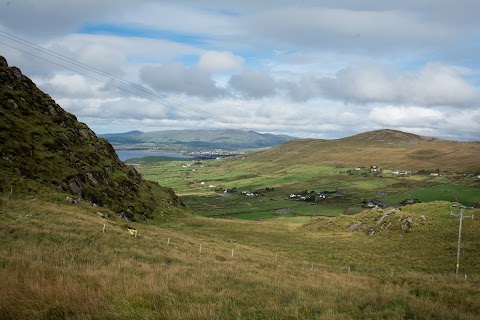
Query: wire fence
(263,258)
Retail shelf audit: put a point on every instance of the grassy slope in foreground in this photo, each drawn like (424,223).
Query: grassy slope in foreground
(57,263)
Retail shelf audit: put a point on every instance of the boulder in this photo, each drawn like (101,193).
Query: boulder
(355,226)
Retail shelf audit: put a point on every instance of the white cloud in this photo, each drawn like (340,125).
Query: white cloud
(281,113)
(437,84)
(402,116)
(220,60)
(115,55)
(323,27)
(46,18)
(433,85)
(177,78)
(193,19)
(363,84)
(70,86)
(253,84)
(103,51)
(126,109)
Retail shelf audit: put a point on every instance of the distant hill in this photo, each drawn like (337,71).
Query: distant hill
(386,148)
(124,137)
(228,139)
(43,147)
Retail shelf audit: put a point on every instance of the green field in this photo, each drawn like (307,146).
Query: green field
(448,192)
(201,186)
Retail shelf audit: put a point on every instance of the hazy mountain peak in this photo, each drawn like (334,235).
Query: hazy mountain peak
(229,139)
(389,135)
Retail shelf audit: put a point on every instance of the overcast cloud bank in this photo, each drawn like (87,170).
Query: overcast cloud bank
(324,69)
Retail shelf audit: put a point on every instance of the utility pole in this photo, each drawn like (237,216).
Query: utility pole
(457,268)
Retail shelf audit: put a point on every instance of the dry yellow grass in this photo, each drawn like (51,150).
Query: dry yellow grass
(56,263)
(385,148)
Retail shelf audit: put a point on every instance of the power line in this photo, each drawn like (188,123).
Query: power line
(102,73)
(129,84)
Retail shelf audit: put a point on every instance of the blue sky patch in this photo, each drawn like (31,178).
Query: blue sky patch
(141,32)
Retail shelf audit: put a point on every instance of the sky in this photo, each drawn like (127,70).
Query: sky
(310,69)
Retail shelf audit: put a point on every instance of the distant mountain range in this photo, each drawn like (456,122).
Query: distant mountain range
(227,139)
(386,148)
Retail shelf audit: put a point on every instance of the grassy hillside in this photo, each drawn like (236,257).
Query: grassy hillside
(58,263)
(44,147)
(385,148)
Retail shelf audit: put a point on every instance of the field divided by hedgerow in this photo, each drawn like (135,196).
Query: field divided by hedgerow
(201,186)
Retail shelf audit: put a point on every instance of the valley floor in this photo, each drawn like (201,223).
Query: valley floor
(239,189)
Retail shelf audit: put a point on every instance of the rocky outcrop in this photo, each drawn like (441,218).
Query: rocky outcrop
(43,143)
(355,226)
(380,220)
(3,62)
